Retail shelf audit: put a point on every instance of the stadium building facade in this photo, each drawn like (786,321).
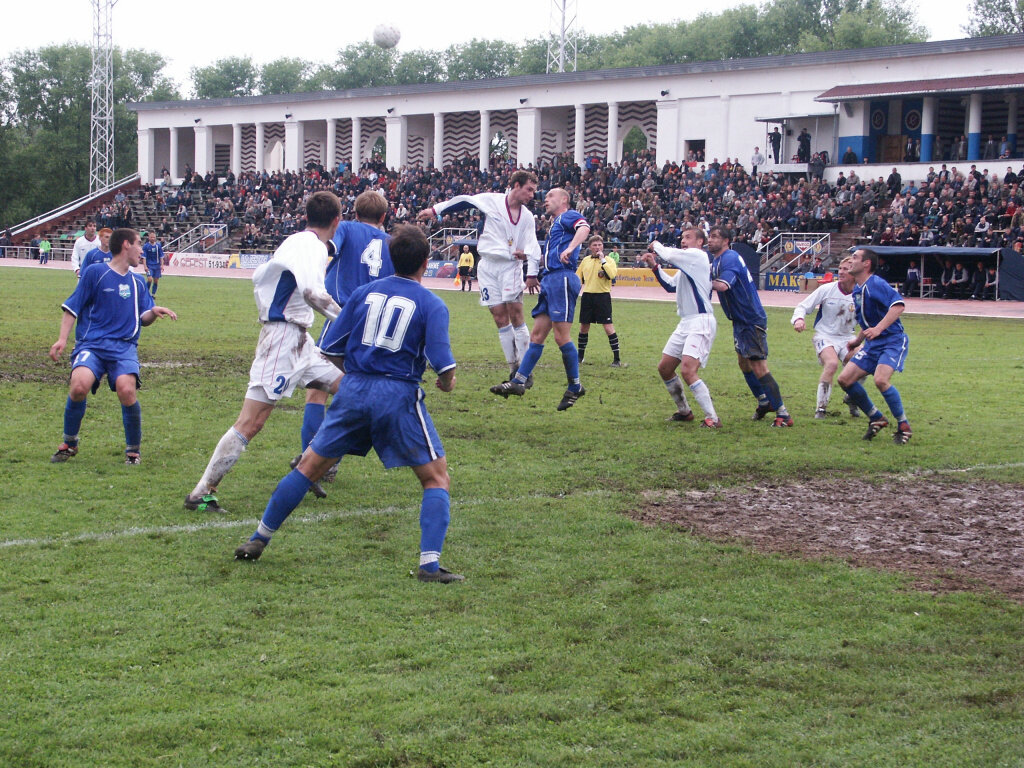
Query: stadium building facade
(871,101)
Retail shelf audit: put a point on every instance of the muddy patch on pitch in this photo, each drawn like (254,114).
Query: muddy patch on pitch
(947,535)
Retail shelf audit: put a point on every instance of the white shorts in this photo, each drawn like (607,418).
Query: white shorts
(693,337)
(287,357)
(838,343)
(500,281)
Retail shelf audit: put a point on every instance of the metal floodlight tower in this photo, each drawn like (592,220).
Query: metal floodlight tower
(101,124)
(562,36)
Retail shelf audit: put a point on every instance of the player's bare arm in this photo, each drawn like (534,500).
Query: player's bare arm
(66,324)
(720,285)
(582,233)
(427,214)
(799,325)
(150,316)
(446,381)
(890,317)
(322,303)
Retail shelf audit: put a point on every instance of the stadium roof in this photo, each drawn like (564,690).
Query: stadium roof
(924,87)
(626,73)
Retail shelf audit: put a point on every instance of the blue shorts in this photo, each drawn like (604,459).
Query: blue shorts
(750,341)
(101,364)
(891,351)
(154,272)
(558,292)
(380,413)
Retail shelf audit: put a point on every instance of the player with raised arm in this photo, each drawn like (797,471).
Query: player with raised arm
(885,349)
(833,329)
(360,256)
(689,345)
(287,288)
(509,237)
(154,255)
(559,286)
(741,304)
(388,332)
(109,306)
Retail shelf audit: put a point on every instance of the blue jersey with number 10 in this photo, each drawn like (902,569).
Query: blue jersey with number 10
(391,327)
(361,256)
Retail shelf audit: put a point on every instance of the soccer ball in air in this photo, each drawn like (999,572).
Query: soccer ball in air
(386,36)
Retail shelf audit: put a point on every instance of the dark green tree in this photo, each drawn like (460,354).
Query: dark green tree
(226,78)
(480,60)
(285,76)
(996,17)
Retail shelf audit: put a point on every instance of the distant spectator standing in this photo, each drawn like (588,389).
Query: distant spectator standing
(44,250)
(775,139)
(849,156)
(756,161)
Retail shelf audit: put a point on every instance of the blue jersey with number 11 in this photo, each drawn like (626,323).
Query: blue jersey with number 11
(391,327)
(361,256)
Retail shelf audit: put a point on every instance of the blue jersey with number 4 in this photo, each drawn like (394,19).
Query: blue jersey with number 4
(361,256)
(391,327)
(108,307)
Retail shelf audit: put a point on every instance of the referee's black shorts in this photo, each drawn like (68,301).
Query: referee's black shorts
(463,271)
(596,308)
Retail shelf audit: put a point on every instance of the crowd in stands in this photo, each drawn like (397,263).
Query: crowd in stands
(635,201)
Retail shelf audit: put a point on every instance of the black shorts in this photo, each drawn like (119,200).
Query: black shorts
(463,271)
(596,308)
(751,342)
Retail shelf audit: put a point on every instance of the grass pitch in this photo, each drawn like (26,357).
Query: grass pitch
(129,637)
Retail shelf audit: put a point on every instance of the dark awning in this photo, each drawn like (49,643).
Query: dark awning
(923,87)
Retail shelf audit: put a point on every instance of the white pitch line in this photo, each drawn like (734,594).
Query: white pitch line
(219,524)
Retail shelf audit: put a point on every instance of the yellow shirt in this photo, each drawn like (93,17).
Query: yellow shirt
(590,272)
(466,259)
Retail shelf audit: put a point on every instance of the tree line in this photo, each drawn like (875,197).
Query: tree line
(45,97)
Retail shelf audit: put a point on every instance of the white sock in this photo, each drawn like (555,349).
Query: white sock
(224,457)
(703,396)
(675,388)
(507,337)
(824,394)
(522,334)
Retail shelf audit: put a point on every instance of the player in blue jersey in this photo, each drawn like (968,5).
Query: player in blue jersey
(885,349)
(360,256)
(100,254)
(287,289)
(107,309)
(154,255)
(555,273)
(388,332)
(741,304)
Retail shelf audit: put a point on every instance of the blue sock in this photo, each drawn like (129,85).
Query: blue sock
(131,416)
(770,387)
(155,286)
(571,361)
(892,399)
(860,398)
(312,418)
(755,387)
(73,415)
(529,362)
(285,498)
(434,518)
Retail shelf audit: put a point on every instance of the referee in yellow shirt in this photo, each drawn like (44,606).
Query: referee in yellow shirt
(597,272)
(466,269)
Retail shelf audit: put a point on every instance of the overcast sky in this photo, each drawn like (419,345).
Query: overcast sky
(195,33)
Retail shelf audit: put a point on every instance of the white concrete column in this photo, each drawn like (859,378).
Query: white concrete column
(357,144)
(294,138)
(974,128)
(175,174)
(145,155)
(236,149)
(669,149)
(927,128)
(1012,103)
(581,128)
(485,139)
(528,132)
(204,149)
(722,138)
(397,146)
(613,132)
(261,147)
(438,158)
(331,161)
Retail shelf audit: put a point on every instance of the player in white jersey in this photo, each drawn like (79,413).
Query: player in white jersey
(83,245)
(690,343)
(508,238)
(288,288)
(834,327)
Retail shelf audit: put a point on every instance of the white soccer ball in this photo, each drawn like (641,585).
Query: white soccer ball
(386,36)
